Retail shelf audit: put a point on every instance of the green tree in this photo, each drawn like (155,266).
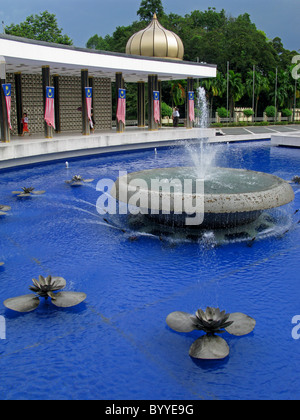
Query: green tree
(284,57)
(236,89)
(209,20)
(177,92)
(117,41)
(98,43)
(246,46)
(261,84)
(42,27)
(148,8)
(285,88)
(214,87)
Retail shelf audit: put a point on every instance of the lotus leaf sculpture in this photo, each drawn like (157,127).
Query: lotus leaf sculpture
(27,192)
(212,321)
(45,288)
(77,180)
(4,209)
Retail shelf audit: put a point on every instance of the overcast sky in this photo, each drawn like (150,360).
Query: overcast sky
(81,19)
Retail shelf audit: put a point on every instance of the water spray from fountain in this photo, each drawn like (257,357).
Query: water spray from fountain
(202,155)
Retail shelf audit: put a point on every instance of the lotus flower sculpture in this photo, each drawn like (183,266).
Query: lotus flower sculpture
(1,263)
(4,209)
(45,288)
(212,321)
(27,192)
(77,180)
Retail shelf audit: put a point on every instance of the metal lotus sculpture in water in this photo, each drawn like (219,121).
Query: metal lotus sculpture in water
(4,209)
(1,263)
(27,192)
(296,179)
(77,180)
(212,321)
(45,288)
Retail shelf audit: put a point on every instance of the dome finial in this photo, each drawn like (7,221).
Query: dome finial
(154,16)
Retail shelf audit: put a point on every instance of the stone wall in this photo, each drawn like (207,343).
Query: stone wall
(70,101)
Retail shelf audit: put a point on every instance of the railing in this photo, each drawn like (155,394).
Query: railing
(182,121)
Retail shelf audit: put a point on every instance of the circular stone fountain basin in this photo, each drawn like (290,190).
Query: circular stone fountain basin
(231,196)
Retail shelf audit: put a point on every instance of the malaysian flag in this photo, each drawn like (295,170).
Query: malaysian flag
(156,107)
(89,96)
(7,94)
(49,106)
(191,106)
(121,107)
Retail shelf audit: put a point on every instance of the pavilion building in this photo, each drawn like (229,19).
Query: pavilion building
(152,56)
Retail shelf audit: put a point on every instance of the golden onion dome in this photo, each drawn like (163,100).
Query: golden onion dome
(156,41)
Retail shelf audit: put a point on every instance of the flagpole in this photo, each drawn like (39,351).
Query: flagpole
(227,105)
(84,84)
(276,82)
(48,132)
(4,130)
(120,126)
(253,93)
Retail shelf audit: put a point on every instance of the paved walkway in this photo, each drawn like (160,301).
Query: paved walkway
(270,129)
(35,148)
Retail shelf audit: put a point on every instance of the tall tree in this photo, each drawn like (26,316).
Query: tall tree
(236,89)
(215,87)
(261,84)
(177,91)
(285,88)
(42,27)
(148,8)
(246,46)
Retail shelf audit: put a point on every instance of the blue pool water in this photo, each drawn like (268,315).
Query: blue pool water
(116,344)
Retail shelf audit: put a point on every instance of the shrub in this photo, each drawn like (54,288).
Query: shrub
(270,111)
(166,110)
(286,112)
(248,112)
(222,112)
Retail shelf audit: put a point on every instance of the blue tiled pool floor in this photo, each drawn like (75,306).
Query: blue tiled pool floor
(116,345)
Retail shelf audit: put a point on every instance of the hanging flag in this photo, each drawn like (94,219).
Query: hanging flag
(89,96)
(121,107)
(191,106)
(156,107)
(7,94)
(49,106)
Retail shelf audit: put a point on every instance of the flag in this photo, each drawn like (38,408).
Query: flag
(191,106)
(7,94)
(89,96)
(121,107)
(156,107)
(49,106)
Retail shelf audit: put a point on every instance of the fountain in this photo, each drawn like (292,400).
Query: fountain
(231,197)
(216,197)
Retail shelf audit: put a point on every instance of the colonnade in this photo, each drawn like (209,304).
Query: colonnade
(154,85)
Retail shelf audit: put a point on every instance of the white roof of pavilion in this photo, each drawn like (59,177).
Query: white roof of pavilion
(28,56)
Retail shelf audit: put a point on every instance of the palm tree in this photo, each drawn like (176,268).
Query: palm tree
(177,92)
(261,84)
(285,87)
(215,87)
(236,89)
